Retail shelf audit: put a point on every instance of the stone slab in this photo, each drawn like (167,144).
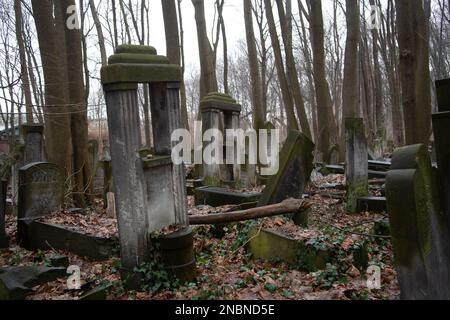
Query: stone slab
(43,236)
(216,197)
(372,204)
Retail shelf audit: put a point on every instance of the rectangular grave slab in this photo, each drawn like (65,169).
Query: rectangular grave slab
(376,174)
(272,246)
(37,235)
(379,165)
(17,282)
(372,204)
(295,168)
(216,197)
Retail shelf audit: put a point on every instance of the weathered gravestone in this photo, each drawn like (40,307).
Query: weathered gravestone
(295,167)
(150,191)
(220,112)
(420,230)
(443,94)
(41,192)
(33,136)
(356,169)
(4,240)
(29,150)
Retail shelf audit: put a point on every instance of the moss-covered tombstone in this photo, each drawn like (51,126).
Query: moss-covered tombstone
(419,228)
(295,167)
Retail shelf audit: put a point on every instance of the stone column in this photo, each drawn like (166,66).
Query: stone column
(211,172)
(356,171)
(4,240)
(125,139)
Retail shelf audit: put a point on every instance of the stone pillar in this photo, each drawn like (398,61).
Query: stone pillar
(150,191)
(356,171)
(125,137)
(33,136)
(221,112)
(4,240)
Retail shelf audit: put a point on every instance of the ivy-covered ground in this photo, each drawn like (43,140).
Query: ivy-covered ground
(225,268)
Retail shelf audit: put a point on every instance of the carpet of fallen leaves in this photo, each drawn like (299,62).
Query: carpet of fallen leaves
(225,269)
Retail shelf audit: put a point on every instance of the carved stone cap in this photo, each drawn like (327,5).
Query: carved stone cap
(133,64)
(219,101)
(35,128)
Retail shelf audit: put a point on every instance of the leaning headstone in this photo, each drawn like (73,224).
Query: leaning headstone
(419,229)
(41,190)
(4,240)
(295,167)
(356,170)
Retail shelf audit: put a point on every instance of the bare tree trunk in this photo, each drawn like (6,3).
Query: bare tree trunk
(256,83)
(208,81)
(323,97)
(414,70)
(98,27)
(57,119)
(23,61)
(350,93)
(82,173)
(173,43)
(287,99)
(294,83)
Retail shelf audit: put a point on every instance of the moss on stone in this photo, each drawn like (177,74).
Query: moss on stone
(137,49)
(137,58)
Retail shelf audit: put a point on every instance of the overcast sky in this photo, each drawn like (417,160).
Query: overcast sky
(234,22)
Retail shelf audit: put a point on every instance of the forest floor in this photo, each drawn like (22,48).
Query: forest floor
(225,269)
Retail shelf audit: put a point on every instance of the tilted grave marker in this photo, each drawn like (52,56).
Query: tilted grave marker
(356,169)
(150,192)
(295,168)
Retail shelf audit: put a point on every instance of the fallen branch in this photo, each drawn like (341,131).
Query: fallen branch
(286,207)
